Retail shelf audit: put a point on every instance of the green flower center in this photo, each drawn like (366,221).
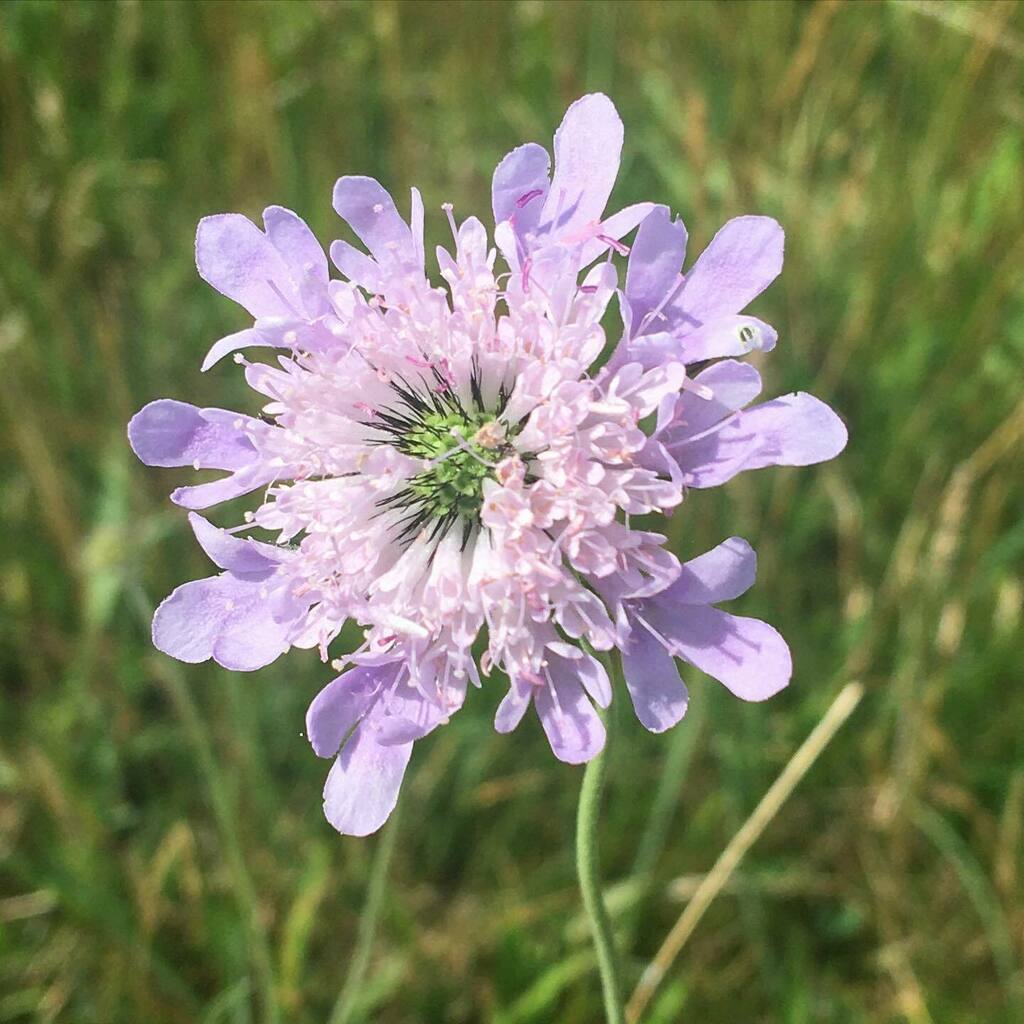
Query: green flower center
(459,447)
(464,451)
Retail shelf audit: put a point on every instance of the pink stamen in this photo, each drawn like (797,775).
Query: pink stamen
(445,369)
(529,676)
(528,197)
(613,243)
(620,247)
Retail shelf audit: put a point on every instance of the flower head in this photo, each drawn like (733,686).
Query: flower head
(454,468)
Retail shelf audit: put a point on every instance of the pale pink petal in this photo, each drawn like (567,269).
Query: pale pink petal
(416,226)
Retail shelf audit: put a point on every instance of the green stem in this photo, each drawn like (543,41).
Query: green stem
(348,998)
(588,869)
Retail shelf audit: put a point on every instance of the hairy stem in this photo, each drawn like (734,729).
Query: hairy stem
(588,869)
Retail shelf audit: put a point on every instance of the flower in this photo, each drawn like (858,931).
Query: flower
(454,470)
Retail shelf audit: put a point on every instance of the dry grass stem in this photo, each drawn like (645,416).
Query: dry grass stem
(840,709)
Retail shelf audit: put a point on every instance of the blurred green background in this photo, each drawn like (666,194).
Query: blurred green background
(162,851)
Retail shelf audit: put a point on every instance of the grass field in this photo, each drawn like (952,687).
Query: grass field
(163,857)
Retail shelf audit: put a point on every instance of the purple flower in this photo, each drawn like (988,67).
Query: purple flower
(443,465)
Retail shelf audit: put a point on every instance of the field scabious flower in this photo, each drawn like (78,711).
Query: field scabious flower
(454,468)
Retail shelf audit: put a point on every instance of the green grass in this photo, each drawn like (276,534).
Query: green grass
(162,851)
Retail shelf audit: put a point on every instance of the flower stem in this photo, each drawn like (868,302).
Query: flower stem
(348,998)
(588,869)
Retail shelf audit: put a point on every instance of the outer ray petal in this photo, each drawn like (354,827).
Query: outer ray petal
(739,263)
(654,263)
(362,788)
(796,430)
(747,655)
(588,145)
(339,706)
(221,617)
(659,696)
(520,185)
(171,433)
(371,213)
(572,725)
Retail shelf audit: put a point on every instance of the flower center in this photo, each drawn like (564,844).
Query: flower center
(460,449)
(462,452)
